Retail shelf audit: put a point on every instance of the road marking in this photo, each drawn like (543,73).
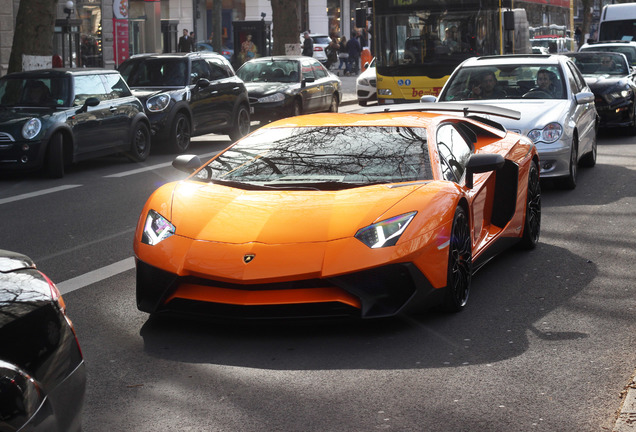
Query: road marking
(96,275)
(203,157)
(38,193)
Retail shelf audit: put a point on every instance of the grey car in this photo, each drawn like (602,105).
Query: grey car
(556,105)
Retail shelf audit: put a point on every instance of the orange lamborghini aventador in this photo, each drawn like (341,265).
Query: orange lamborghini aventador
(366,215)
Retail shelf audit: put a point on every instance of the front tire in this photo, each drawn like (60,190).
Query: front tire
(532,224)
(569,181)
(460,264)
(333,106)
(140,143)
(180,134)
(241,125)
(55,156)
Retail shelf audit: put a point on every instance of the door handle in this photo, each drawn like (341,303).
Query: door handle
(112,109)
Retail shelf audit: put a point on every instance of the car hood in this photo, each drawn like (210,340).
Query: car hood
(144,94)
(535,113)
(231,215)
(258,89)
(21,115)
(602,82)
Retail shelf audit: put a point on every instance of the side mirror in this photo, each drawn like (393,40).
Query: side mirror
(307,80)
(187,163)
(584,97)
(428,99)
(91,101)
(480,163)
(203,83)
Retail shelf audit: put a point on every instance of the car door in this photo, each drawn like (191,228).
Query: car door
(87,122)
(121,107)
(311,89)
(324,84)
(584,114)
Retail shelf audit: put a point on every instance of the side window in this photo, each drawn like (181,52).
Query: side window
(307,70)
(575,80)
(319,71)
(578,77)
(454,152)
(217,69)
(87,86)
(115,86)
(199,70)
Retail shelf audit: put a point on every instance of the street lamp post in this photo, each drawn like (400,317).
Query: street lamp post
(68,10)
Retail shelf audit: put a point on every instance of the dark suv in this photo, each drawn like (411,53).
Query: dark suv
(52,117)
(188,94)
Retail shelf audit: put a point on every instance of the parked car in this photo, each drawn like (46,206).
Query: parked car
(611,79)
(321,42)
(42,372)
(360,215)
(207,47)
(621,46)
(556,105)
(50,118)
(366,85)
(283,86)
(188,94)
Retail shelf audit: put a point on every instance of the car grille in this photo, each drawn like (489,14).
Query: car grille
(372,82)
(6,140)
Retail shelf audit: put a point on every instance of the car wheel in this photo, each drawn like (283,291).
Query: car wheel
(140,143)
(631,130)
(180,134)
(589,160)
(242,124)
(362,103)
(55,156)
(532,225)
(460,264)
(333,107)
(569,181)
(297,108)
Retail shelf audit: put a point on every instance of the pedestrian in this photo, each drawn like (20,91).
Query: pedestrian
(193,42)
(354,49)
(184,44)
(343,55)
(308,45)
(332,51)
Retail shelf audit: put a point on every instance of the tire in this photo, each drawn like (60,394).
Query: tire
(333,106)
(532,224)
(362,103)
(139,143)
(460,264)
(589,159)
(241,125)
(297,108)
(569,181)
(55,156)
(180,134)
(631,130)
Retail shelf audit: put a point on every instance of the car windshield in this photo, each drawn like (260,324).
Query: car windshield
(285,71)
(321,40)
(34,91)
(324,157)
(599,63)
(156,72)
(628,50)
(517,81)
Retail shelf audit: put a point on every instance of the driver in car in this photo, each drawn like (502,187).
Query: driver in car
(545,84)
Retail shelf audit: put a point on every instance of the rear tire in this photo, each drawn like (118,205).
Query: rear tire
(460,264)
(140,143)
(241,125)
(55,156)
(532,224)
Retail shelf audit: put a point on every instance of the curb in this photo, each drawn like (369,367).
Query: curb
(626,421)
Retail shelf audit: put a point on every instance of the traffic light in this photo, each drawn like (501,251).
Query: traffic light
(361,18)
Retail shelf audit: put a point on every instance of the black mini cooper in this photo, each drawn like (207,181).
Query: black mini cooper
(188,94)
(52,117)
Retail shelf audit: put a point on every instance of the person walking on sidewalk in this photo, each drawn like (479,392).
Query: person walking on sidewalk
(353,48)
(308,45)
(343,55)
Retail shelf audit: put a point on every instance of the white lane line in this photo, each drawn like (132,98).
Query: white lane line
(203,157)
(96,275)
(38,193)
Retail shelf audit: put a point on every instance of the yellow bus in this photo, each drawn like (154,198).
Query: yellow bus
(418,43)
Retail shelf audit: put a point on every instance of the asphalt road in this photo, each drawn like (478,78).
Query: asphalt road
(547,342)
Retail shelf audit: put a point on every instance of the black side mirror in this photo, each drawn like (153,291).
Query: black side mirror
(479,163)
(91,101)
(203,83)
(187,163)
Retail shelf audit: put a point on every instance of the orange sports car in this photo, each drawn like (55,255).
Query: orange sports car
(366,215)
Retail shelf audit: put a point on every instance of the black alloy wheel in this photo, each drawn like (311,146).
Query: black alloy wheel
(242,124)
(180,134)
(460,264)
(55,156)
(140,143)
(532,224)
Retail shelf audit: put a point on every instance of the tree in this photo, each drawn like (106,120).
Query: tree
(285,22)
(33,34)
(587,18)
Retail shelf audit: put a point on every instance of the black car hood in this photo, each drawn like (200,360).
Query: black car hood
(16,115)
(602,82)
(145,93)
(258,89)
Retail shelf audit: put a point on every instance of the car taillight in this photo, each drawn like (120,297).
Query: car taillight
(317,48)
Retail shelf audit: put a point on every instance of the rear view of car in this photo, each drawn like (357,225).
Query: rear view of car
(321,41)
(42,372)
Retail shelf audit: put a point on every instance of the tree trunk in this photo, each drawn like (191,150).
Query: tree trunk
(587,18)
(286,29)
(34,30)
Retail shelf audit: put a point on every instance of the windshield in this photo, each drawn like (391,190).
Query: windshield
(506,82)
(595,63)
(155,72)
(286,71)
(34,91)
(315,156)
(628,50)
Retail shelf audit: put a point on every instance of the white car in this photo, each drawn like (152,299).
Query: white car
(366,85)
(321,41)
(559,116)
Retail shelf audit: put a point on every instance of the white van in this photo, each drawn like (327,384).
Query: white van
(618,22)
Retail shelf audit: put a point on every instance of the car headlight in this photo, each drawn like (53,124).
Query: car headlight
(158,103)
(363,82)
(385,92)
(385,233)
(156,229)
(618,94)
(276,97)
(31,128)
(548,134)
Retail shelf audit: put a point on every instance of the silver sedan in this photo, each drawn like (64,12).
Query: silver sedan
(556,105)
